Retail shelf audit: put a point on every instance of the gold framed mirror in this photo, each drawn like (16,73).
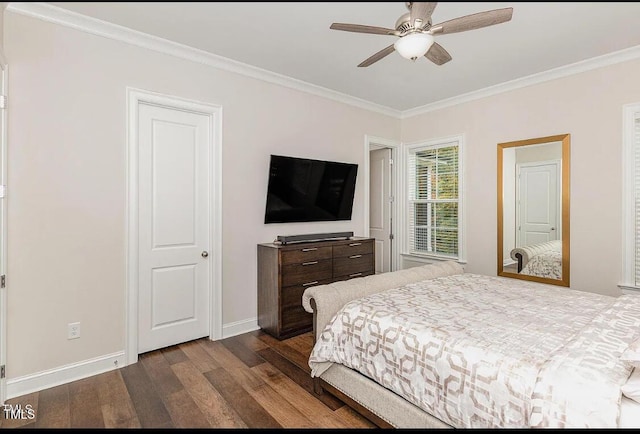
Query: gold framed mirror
(533,209)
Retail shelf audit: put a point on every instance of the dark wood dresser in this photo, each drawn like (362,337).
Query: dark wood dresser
(285,271)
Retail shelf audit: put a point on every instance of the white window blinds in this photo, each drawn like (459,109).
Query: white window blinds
(631,203)
(433,202)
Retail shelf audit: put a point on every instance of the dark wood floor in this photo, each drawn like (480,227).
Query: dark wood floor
(247,381)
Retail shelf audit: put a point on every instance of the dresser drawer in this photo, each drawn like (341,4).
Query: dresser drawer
(353,264)
(294,319)
(353,248)
(306,254)
(292,295)
(305,272)
(354,275)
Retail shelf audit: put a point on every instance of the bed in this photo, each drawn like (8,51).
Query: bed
(546,264)
(434,346)
(542,259)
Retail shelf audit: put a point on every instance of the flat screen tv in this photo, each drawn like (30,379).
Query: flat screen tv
(305,190)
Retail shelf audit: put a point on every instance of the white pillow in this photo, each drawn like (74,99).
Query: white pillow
(631,389)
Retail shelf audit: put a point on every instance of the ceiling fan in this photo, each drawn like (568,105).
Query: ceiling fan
(417,33)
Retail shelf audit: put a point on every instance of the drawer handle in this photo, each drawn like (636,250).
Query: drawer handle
(355,275)
(355,256)
(354,244)
(311,249)
(310,263)
(310,283)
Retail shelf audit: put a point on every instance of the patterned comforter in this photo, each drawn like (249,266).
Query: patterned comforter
(546,264)
(483,351)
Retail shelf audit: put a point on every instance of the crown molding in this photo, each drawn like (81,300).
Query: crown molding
(541,77)
(56,15)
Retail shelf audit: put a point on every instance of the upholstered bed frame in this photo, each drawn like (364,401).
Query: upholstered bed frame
(380,405)
(524,254)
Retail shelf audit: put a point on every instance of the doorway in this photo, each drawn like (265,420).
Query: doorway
(174,258)
(380,209)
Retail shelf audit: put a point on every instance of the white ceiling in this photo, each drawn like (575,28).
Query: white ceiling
(294,39)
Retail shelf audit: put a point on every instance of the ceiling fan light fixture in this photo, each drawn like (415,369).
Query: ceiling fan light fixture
(414,45)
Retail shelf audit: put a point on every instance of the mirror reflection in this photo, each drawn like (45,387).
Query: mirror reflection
(533,209)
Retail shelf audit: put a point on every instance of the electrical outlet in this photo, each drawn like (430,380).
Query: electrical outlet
(73,330)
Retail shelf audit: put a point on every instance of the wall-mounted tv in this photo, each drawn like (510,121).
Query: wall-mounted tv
(306,190)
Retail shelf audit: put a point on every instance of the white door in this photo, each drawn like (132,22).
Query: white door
(174,218)
(380,203)
(538,203)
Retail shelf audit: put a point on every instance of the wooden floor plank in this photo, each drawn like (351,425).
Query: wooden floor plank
(215,408)
(174,354)
(253,414)
(236,367)
(115,402)
(276,405)
(251,341)
(84,404)
(53,408)
(299,359)
(302,343)
(149,407)
(221,354)
(282,410)
(299,376)
(184,411)
(248,356)
(196,354)
(160,373)
(352,418)
(310,406)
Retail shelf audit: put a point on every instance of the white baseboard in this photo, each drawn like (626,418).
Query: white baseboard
(64,374)
(239,327)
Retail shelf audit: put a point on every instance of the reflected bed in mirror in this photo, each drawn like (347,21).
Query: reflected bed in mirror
(533,209)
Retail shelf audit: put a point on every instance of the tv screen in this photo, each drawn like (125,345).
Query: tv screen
(305,190)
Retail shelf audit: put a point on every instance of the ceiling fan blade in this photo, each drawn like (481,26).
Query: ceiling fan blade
(437,54)
(473,21)
(379,55)
(362,29)
(421,11)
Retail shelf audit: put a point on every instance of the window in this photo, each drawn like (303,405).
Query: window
(434,202)
(631,204)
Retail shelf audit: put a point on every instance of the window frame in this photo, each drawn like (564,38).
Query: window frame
(412,148)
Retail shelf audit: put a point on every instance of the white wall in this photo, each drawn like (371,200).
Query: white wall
(589,107)
(508,204)
(67,160)
(3,6)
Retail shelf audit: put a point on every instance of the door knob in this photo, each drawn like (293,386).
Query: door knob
(204,254)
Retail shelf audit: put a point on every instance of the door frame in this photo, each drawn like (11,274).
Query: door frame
(371,143)
(135,97)
(3,228)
